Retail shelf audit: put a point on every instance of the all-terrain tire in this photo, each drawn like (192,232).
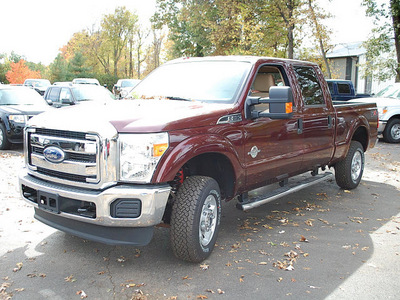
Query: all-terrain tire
(195,218)
(391,134)
(348,172)
(4,143)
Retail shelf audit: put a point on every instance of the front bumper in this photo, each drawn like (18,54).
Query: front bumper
(95,210)
(381,127)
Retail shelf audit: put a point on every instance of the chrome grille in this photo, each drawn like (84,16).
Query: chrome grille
(80,150)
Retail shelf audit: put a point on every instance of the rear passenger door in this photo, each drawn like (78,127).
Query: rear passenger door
(316,120)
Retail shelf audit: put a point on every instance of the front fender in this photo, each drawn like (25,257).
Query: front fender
(192,147)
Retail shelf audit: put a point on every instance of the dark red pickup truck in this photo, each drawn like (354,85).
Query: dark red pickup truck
(197,131)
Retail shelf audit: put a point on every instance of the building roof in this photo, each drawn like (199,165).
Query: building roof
(347,50)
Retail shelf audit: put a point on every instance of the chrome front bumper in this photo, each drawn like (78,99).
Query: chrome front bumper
(153,201)
(381,126)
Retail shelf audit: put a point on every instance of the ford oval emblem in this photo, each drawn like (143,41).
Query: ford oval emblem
(54,154)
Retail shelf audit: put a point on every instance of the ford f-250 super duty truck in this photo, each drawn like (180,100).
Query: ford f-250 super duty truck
(198,131)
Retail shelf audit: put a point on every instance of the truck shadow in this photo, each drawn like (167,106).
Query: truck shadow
(305,245)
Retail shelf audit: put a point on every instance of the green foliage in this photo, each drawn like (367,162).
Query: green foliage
(235,27)
(383,45)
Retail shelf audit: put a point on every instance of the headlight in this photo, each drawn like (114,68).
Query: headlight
(139,155)
(382,111)
(17,118)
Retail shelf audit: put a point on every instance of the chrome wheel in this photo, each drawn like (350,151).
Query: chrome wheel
(395,131)
(356,166)
(208,217)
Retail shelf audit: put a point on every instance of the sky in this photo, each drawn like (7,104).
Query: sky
(37,29)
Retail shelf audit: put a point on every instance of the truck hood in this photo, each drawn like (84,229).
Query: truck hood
(133,116)
(23,109)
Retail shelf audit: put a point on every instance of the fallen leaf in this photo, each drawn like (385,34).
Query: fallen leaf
(121,259)
(220,291)
(186,278)
(204,267)
(70,278)
(263,263)
(19,267)
(289,268)
(202,297)
(309,223)
(82,294)
(303,239)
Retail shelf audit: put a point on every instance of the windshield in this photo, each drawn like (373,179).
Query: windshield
(23,96)
(129,83)
(208,81)
(85,93)
(37,83)
(392,91)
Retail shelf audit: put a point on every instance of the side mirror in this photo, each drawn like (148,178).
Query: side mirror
(280,102)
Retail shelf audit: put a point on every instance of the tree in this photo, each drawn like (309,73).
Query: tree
(288,10)
(116,29)
(78,68)
(383,60)
(19,72)
(320,32)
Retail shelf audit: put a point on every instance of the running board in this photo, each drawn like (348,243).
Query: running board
(282,191)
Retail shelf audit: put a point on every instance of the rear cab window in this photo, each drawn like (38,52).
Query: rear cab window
(310,87)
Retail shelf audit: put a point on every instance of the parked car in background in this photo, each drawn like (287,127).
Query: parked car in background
(65,95)
(124,86)
(343,90)
(40,85)
(388,103)
(62,83)
(86,81)
(17,105)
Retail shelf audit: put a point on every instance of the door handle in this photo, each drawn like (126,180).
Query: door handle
(329,122)
(299,126)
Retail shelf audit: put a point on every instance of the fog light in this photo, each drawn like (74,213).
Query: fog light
(126,208)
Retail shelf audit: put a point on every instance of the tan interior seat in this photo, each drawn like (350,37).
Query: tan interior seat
(262,84)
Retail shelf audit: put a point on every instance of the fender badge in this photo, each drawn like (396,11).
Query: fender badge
(254,152)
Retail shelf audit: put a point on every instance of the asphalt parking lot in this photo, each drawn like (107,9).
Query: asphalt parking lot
(320,243)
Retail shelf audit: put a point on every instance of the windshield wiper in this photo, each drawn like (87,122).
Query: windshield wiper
(178,98)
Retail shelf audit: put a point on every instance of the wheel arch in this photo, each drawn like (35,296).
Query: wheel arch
(210,156)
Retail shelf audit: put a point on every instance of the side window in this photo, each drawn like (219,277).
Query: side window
(266,77)
(343,88)
(330,86)
(309,85)
(54,94)
(65,94)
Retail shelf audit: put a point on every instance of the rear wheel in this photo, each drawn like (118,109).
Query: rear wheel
(348,172)
(391,134)
(195,218)
(4,143)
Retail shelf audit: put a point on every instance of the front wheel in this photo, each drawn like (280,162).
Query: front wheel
(348,172)
(391,134)
(195,218)
(4,143)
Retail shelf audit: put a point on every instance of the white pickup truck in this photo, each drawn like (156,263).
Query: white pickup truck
(388,103)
